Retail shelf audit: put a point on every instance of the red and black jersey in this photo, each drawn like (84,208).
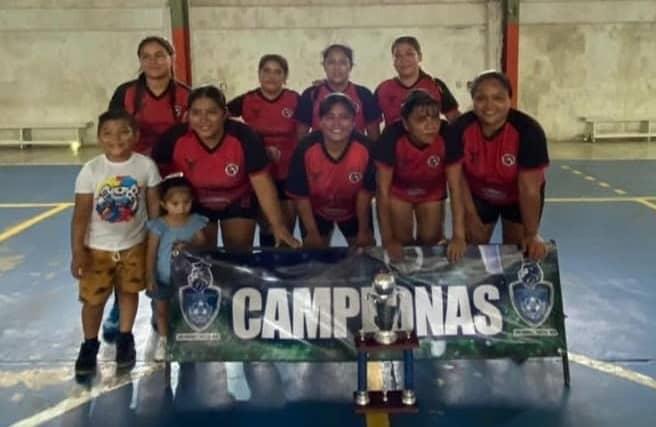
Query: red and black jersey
(273,120)
(419,172)
(219,175)
(154,114)
(366,109)
(391,94)
(332,185)
(491,165)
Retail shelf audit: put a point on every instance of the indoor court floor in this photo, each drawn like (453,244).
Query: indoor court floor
(600,209)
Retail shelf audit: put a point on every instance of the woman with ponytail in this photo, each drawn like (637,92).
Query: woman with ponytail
(155,98)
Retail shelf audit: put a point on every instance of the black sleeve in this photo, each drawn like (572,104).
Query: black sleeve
(384,150)
(532,141)
(449,102)
(118,99)
(163,149)
(453,146)
(297,180)
(254,152)
(370,175)
(303,113)
(235,106)
(453,136)
(370,108)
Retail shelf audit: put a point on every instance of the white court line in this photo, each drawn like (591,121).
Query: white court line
(73,402)
(375,381)
(612,369)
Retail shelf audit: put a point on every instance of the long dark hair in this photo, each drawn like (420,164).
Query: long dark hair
(141,80)
(208,91)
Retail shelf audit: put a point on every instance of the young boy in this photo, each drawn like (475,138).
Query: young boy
(115,193)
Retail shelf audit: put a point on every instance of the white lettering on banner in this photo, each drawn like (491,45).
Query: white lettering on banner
(406,314)
(246,300)
(276,315)
(458,312)
(324,312)
(494,323)
(429,311)
(311,314)
(346,305)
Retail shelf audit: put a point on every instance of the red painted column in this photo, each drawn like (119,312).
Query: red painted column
(181,39)
(511,45)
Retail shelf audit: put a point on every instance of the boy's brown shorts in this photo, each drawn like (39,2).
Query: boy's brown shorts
(106,269)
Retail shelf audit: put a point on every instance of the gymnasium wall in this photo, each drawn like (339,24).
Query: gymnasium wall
(581,58)
(61,59)
(459,38)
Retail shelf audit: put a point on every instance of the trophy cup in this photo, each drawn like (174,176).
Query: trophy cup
(385,300)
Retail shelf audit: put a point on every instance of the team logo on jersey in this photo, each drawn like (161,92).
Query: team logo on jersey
(190,163)
(200,299)
(118,199)
(287,113)
(508,159)
(274,153)
(231,169)
(531,296)
(433,161)
(354,177)
(178,111)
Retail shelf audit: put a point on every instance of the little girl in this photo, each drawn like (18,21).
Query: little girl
(176,226)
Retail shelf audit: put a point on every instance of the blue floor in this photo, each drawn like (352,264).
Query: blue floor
(605,251)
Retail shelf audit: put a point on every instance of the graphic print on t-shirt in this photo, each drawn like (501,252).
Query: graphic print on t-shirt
(118,199)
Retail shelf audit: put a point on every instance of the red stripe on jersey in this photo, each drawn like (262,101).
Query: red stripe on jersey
(391,95)
(419,173)
(218,176)
(324,90)
(273,121)
(156,115)
(334,185)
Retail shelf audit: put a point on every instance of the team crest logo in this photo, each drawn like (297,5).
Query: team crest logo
(231,169)
(274,153)
(508,159)
(200,300)
(287,113)
(355,177)
(178,111)
(433,161)
(531,296)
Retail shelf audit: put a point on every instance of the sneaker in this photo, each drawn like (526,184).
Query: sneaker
(110,325)
(125,352)
(86,359)
(160,351)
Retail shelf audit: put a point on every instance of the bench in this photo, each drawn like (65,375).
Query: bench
(614,128)
(22,133)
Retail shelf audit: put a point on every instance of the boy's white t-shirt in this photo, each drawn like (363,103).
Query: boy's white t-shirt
(119,216)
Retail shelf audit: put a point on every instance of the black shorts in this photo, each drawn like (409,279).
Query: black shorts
(349,228)
(281,187)
(489,213)
(245,208)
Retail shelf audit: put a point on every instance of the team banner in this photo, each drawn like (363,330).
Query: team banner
(284,305)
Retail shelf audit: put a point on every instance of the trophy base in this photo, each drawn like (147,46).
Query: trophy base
(361,398)
(385,337)
(408,397)
(389,402)
(403,340)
